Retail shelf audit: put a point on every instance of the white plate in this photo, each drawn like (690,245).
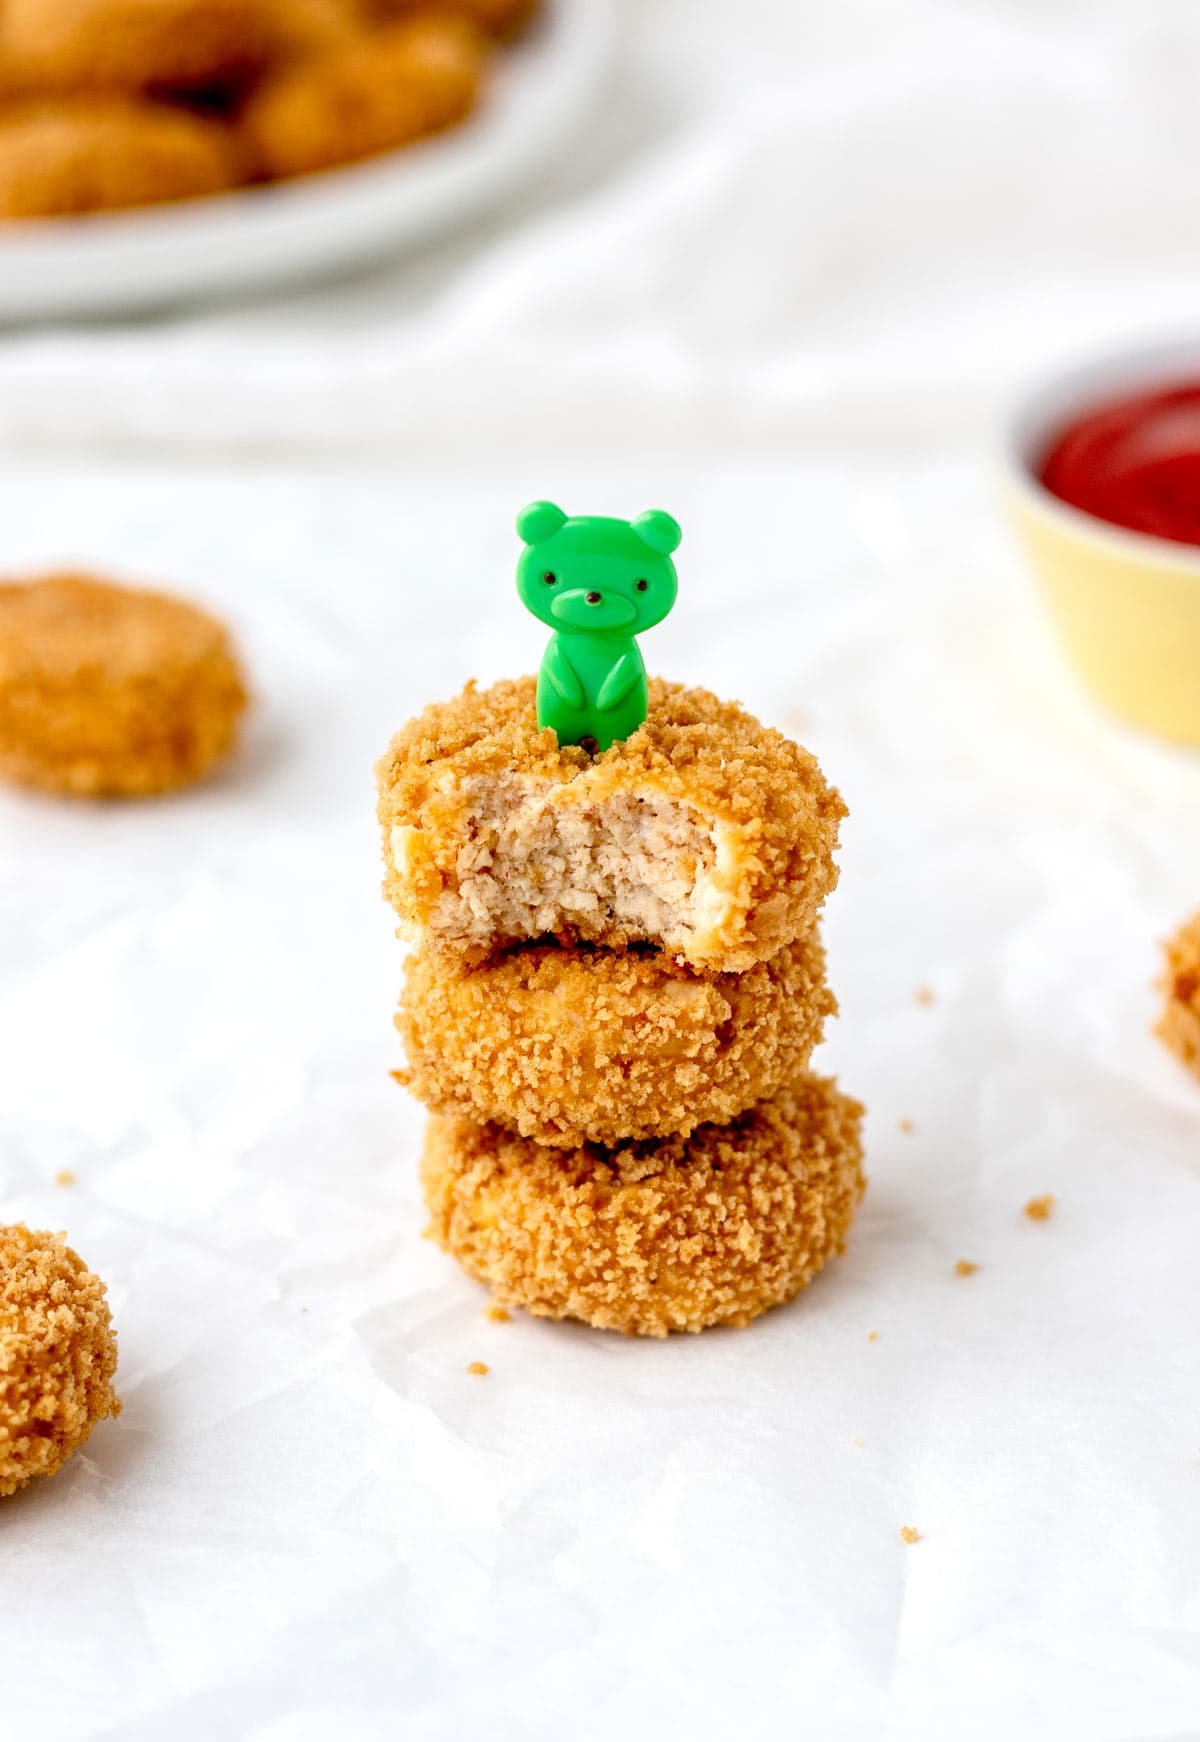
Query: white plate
(542,89)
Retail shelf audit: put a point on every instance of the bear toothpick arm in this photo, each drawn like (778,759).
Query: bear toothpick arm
(597,583)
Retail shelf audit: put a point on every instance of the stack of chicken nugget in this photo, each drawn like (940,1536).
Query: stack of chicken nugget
(615,987)
(119,103)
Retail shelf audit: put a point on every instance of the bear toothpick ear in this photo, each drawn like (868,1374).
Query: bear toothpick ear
(658,530)
(539,521)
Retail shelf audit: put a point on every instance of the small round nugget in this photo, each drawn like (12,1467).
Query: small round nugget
(704,833)
(111,691)
(128,45)
(58,1354)
(376,93)
(1179,1025)
(86,154)
(593,1046)
(707,1230)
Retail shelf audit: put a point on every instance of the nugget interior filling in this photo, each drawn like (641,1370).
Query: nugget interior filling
(532,865)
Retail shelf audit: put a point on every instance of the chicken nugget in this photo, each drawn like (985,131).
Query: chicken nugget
(710,1229)
(375,94)
(704,833)
(111,691)
(597,1046)
(129,45)
(95,154)
(58,1355)
(1179,1025)
(299,30)
(502,18)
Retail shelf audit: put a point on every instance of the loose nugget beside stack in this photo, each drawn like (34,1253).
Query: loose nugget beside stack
(615,992)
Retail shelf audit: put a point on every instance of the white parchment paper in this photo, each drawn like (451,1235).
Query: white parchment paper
(310,1521)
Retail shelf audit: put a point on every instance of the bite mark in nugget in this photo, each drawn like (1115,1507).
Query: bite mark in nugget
(705,833)
(58,1355)
(1179,1025)
(111,691)
(650,1238)
(593,1046)
(376,94)
(94,155)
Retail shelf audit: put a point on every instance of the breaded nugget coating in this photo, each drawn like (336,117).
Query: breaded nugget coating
(671,1236)
(503,18)
(304,29)
(128,45)
(1179,1025)
(58,1354)
(595,1046)
(390,87)
(705,833)
(111,691)
(85,154)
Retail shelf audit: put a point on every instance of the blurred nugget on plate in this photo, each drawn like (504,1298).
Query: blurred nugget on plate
(129,45)
(376,93)
(96,154)
(58,1355)
(109,691)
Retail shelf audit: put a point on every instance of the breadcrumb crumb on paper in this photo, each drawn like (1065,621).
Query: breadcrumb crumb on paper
(1041,1209)
(478,1367)
(907,1126)
(924,995)
(497,1314)
(64,1177)
(965,1267)
(909,1534)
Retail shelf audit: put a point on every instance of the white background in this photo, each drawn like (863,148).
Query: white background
(780,291)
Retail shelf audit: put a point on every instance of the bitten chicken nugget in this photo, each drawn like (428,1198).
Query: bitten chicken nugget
(92,154)
(391,87)
(705,833)
(58,1354)
(128,45)
(578,1046)
(503,18)
(111,691)
(1179,1025)
(710,1229)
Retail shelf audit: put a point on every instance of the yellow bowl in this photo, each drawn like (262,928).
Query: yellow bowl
(1126,604)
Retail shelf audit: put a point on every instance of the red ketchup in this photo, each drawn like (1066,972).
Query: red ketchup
(1134,462)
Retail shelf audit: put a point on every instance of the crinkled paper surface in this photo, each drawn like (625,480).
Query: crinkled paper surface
(310,1520)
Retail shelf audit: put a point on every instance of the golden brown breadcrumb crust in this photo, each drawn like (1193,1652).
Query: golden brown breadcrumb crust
(761,799)
(93,154)
(111,691)
(374,94)
(592,1046)
(1179,1025)
(128,45)
(58,1355)
(503,18)
(674,1235)
(304,29)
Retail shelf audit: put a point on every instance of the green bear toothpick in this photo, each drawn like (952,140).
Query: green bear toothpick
(597,583)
